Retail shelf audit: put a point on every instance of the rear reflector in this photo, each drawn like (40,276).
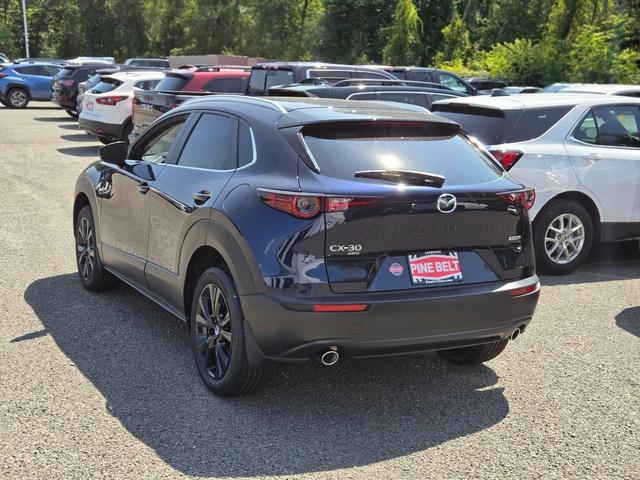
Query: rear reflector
(507,158)
(519,292)
(524,198)
(357,307)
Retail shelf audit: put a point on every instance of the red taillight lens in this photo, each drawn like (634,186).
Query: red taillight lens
(308,206)
(357,307)
(68,83)
(2,75)
(507,158)
(113,100)
(525,198)
(519,292)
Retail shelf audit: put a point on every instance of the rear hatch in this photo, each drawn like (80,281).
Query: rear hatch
(63,79)
(263,77)
(414,206)
(91,106)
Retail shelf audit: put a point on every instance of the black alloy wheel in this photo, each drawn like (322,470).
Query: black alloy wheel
(213,332)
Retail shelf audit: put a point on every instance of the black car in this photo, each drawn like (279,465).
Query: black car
(288,229)
(414,93)
(267,75)
(433,75)
(65,84)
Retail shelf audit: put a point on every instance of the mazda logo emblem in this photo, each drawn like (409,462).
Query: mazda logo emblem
(446,203)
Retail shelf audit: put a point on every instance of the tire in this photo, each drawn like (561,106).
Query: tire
(91,271)
(104,140)
(476,354)
(2,102)
(218,340)
(546,249)
(17,97)
(72,113)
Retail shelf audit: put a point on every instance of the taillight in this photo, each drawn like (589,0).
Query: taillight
(507,158)
(113,100)
(307,206)
(68,83)
(519,292)
(2,75)
(525,198)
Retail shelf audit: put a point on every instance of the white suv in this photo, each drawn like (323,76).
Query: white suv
(107,107)
(581,153)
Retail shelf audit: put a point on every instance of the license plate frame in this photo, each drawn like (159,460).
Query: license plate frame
(89,107)
(435,267)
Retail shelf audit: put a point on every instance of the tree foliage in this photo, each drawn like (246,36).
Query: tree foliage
(526,41)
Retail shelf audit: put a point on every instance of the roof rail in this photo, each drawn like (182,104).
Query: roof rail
(408,83)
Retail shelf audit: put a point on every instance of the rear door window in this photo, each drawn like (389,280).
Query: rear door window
(369,75)
(38,70)
(226,85)
(211,144)
(534,122)
(341,150)
(262,79)
(612,126)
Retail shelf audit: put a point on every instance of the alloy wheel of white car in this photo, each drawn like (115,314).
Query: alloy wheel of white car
(564,238)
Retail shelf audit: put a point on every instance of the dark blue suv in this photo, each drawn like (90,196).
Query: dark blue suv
(22,82)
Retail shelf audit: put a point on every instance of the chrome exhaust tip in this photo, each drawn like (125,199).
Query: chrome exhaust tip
(330,357)
(515,334)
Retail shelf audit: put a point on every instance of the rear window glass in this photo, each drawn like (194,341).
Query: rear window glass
(486,124)
(172,83)
(341,150)
(261,80)
(106,85)
(534,122)
(66,72)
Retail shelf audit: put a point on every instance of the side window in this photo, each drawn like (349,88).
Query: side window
(419,99)
(587,131)
(225,85)
(452,82)
(33,70)
(370,75)
(363,96)
(52,71)
(618,125)
(157,148)
(211,144)
(436,96)
(246,145)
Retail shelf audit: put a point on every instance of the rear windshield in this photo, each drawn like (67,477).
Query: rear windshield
(172,83)
(262,80)
(106,85)
(486,124)
(493,127)
(341,150)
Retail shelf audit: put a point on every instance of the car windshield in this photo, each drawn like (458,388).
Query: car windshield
(341,150)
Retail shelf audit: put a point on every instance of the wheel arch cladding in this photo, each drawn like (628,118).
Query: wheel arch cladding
(203,258)
(587,202)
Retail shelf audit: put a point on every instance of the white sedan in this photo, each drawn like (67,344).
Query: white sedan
(581,153)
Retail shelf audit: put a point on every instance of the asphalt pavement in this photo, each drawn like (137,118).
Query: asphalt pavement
(104,385)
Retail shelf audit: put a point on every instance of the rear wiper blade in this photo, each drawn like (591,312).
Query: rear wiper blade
(405,176)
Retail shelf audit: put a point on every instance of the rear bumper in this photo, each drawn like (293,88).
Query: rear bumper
(63,100)
(394,323)
(101,129)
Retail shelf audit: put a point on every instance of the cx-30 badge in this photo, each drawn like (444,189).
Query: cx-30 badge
(446,203)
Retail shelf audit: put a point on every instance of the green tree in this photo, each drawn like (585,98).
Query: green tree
(456,44)
(403,47)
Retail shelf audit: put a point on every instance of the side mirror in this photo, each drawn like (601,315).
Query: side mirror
(114,153)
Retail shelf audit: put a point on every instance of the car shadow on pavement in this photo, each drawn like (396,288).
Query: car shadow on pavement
(629,320)
(78,137)
(54,119)
(71,126)
(304,418)
(84,151)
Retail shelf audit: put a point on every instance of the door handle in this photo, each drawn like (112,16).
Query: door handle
(591,156)
(143,188)
(201,197)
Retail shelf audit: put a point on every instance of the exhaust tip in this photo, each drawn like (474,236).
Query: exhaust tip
(330,357)
(515,334)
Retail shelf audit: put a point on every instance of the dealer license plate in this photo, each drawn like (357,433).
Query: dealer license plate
(434,267)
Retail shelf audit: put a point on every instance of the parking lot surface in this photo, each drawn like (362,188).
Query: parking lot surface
(104,386)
